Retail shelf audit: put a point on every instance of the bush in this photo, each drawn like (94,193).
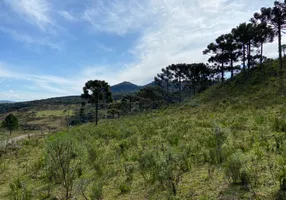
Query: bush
(216,153)
(235,168)
(124,188)
(19,191)
(61,162)
(279,125)
(97,191)
(165,166)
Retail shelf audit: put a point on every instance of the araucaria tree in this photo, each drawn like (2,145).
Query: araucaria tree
(198,75)
(178,77)
(244,37)
(275,17)
(164,80)
(96,92)
(232,50)
(218,52)
(263,34)
(11,123)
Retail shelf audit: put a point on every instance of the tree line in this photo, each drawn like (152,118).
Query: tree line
(244,44)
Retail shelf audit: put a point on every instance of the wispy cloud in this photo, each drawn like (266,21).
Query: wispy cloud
(67,15)
(171,31)
(105,48)
(36,12)
(21,37)
(116,16)
(167,31)
(53,85)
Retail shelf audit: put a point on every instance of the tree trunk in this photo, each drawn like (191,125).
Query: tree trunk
(96,112)
(243,59)
(67,193)
(248,55)
(261,54)
(280,46)
(180,85)
(10,131)
(222,72)
(231,68)
(168,100)
(130,105)
(194,89)
(174,189)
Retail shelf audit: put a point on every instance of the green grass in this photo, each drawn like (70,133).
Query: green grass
(227,143)
(57,113)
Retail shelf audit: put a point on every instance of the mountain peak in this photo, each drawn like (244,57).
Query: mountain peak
(125,83)
(124,87)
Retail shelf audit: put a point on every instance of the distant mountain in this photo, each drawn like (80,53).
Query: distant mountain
(5,101)
(150,84)
(127,87)
(124,87)
(118,91)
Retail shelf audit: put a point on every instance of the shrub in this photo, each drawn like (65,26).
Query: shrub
(236,170)
(165,166)
(125,188)
(97,191)
(219,137)
(19,191)
(279,125)
(61,162)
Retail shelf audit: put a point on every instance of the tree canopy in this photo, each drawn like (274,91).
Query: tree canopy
(95,92)
(11,123)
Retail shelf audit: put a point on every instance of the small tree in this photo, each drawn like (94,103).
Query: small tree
(96,91)
(130,99)
(62,164)
(114,108)
(11,123)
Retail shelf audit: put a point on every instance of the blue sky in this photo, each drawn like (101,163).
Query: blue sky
(50,48)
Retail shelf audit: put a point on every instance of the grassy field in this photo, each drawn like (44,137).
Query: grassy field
(227,143)
(58,113)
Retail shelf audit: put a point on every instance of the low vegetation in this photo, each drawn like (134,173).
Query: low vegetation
(227,142)
(220,145)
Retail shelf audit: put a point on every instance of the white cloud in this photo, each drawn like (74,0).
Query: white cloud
(41,86)
(116,16)
(67,15)
(36,12)
(105,48)
(21,37)
(171,31)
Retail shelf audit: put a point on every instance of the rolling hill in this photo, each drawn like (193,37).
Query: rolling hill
(226,143)
(118,91)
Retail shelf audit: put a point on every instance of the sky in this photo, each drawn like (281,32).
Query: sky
(50,48)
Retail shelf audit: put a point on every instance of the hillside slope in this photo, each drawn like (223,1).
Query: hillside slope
(258,85)
(227,143)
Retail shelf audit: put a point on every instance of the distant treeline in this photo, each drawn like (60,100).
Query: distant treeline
(10,107)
